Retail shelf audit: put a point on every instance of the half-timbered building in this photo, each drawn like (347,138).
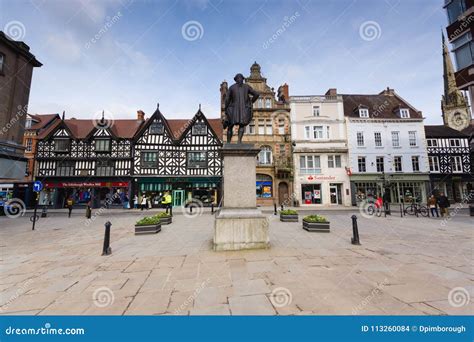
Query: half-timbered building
(449,162)
(179,156)
(88,160)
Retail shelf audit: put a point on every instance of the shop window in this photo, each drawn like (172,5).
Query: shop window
(199,128)
(197,160)
(157,128)
(104,168)
(397,163)
(366,191)
(265,155)
(264,186)
(311,194)
(148,159)
(65,168)
(102,145)
(310,165)
(61,145)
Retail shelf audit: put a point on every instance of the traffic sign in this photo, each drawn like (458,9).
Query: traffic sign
(37,186)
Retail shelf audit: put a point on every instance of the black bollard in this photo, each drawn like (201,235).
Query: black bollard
(191,208)
(107,249)
(282,206)
(355,231)
(212,208)
(401,210)
(274,208)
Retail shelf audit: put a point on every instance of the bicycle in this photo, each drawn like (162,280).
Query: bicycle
(374,209)
(415,208)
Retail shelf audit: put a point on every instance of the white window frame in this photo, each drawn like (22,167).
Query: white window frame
(334,161)
(363,112)
(316,111)
(412,138)
(378,139)
(265,156)
(360,139)
(432,142)
(433,162)
(251,127)
(261,127)
(395,139)
(415,161)
(362,161)
(404,113)
(456,164)
(310,164)
(400,163)
(269,127)
(380,161)
(281,126)
(307,132)
(454,142)
(268,103)
(29,145)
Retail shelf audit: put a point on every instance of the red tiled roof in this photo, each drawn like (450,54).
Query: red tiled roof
(381,105)
(42,120)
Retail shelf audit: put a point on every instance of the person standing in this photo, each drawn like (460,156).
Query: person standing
(89,209)
(135,202)
(143,203)
(69,203)
(166,201)
(433,205)
(443,203)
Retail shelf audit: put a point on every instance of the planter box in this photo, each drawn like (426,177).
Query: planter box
(166,220)
(289,218)
(321,227)
(151,229)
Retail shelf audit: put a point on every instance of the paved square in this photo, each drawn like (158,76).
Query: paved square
(409,266)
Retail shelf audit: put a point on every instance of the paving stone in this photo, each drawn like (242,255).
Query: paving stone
(251,305)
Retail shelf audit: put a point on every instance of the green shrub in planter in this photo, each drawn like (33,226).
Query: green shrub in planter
(288,215)
(165,218)
(148,225)
(316,223)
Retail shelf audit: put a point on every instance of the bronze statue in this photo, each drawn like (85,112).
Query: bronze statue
(238,107)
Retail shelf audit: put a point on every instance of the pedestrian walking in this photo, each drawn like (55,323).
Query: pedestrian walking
(433,205)
(143,203)
(69,203)
(89,209)
(135,202)
(443,203)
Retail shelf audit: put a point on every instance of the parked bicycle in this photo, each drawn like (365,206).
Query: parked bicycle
(415,208)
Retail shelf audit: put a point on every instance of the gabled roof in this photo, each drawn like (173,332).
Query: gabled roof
(42,120)
(441,131)
(383,105)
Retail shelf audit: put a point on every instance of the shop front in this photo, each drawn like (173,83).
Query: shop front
(398,188)
(206,190)
(100,193)
(456,187)
(323,190)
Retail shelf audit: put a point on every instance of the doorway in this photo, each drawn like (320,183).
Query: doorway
(335,193)
(178,198)
(283,194)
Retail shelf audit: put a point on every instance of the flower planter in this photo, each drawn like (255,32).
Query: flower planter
(320,227)
(166,220)
(289,218)
(149,229)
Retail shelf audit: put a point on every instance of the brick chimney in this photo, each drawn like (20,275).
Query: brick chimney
(286,92)
(331,92)
(388,92)
(140,115)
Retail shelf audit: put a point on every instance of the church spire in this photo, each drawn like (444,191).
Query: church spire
(448,72)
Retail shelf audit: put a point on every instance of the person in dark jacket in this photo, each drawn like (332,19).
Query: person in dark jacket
(443,203)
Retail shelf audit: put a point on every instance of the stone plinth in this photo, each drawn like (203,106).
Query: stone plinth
(239,224)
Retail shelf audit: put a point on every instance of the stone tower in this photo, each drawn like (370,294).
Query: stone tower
(454,105)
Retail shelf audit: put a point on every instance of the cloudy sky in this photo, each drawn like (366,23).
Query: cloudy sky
(125,55)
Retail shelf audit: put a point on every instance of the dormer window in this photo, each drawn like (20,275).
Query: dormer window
(363,112)
(29,122)
(156,128)
(268,103)
(199,128)
(61,145)
(404,113)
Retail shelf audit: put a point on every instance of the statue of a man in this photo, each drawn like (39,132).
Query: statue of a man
(238,107)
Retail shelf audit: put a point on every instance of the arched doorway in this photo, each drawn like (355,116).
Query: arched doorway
(283,194)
